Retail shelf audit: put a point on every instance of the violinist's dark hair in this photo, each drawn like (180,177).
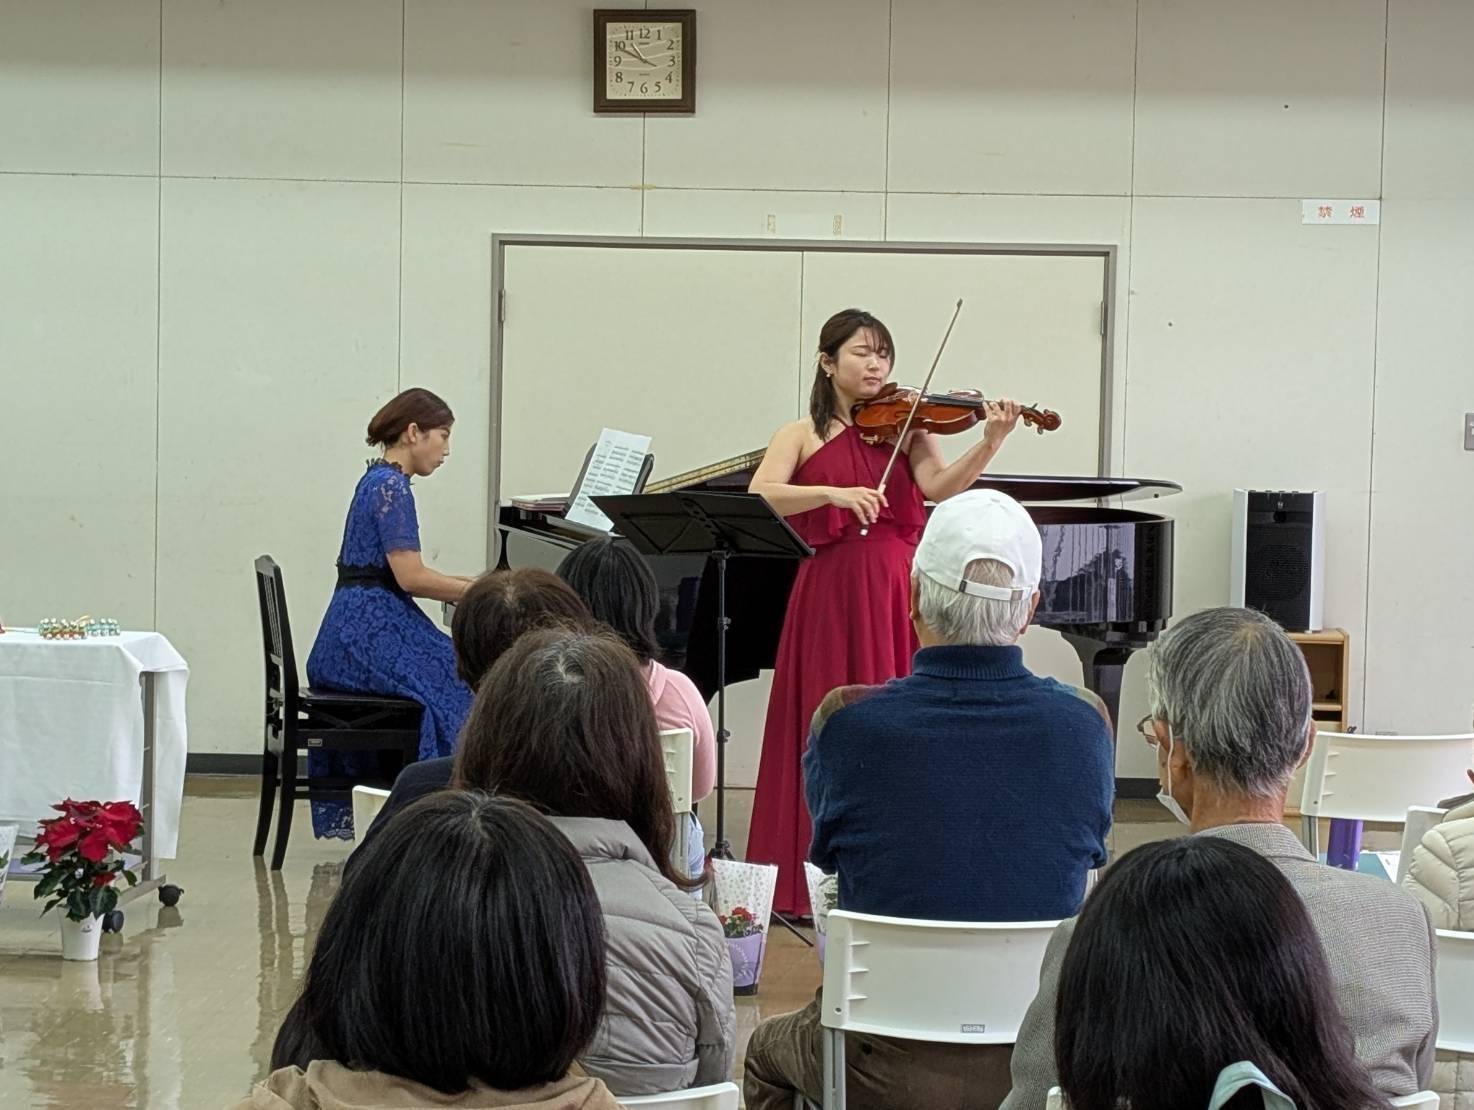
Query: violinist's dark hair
(563,721)
(413,406)
(466,944)
(836,332)
(620,589)
(1193,954)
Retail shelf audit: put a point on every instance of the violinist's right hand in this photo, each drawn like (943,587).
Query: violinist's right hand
(865,503)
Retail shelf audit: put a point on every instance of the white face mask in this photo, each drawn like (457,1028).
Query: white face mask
(1169,803)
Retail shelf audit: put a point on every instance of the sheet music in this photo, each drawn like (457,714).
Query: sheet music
(614,469)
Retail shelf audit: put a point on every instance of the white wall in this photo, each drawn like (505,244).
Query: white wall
(229,230)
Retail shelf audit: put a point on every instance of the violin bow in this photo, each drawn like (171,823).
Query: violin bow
(910,416)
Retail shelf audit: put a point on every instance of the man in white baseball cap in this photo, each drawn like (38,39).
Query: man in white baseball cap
(971,790)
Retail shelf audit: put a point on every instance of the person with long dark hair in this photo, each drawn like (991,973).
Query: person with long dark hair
(499,607)
(620,589)
(374,639)
(848,619)
(1195,964)
(563,721)
(460,965)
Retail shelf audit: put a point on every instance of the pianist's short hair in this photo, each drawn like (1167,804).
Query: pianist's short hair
(960,618)
(500,606)
(1235,691)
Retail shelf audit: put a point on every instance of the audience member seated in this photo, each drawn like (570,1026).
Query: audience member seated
(460,965)
(618,586)
(972,790)
(1194,973)
(1441,876)
(563,721)
(1230,723)
(499,607)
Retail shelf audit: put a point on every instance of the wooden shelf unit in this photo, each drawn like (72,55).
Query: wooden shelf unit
(1328,655)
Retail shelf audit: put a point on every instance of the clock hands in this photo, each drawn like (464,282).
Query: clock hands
(632,49)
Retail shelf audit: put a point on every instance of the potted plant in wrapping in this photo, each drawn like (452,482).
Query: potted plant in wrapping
(81,859)
(745,945)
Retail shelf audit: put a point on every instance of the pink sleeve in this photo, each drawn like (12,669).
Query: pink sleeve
(704,747)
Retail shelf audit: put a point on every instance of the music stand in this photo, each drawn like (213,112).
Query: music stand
(718,525)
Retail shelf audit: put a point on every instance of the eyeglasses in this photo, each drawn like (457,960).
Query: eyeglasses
(1148,733)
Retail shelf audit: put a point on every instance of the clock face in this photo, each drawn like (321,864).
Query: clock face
(643,61)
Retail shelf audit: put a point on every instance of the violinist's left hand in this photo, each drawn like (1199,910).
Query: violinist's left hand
(1002,418)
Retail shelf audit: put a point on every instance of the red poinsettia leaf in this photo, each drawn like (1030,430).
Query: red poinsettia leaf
(94,846)
(103,878)
(60,833)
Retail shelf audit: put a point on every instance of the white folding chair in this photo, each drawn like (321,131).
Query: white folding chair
(943,981)
(367,801)
(1423,1100)
(676,745)
(1377,778)
(719,1096)
(1455,990)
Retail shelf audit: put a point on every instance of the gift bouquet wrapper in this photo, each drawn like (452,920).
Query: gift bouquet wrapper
(823,897)
(747,886)
(7,853)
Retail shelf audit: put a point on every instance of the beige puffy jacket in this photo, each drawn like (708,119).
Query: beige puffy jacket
(1441,876)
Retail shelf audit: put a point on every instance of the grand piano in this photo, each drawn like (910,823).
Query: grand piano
(1106,583)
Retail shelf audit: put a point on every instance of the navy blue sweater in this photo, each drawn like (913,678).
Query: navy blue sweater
(972,790)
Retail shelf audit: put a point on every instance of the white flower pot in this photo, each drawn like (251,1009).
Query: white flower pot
(79,939)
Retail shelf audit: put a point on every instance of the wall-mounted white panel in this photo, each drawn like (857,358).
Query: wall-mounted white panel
(277,343)
(1430,101)
(1011,96)
(658,349)
(279,88)
(943,217)
(789,96)
(446,320)
(1260,98)
(1420,637)
(502,94)
(78,305)
(753,214)
(1250,365)
(1029,329)
(79,86)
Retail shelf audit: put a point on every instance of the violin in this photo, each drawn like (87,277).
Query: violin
(884,417)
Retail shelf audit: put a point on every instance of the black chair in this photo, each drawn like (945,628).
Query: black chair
(299,719)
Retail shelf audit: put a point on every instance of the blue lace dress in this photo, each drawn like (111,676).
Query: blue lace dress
(375,640)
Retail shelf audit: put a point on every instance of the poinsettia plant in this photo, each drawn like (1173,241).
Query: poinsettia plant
(740,923)
(81,856)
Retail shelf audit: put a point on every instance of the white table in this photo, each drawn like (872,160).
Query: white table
(101,718)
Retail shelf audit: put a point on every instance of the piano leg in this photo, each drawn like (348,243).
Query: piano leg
(1103,664)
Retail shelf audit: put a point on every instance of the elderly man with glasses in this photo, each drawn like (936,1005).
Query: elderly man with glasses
(1230,723)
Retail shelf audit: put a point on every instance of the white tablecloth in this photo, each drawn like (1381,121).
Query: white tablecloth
(71,725)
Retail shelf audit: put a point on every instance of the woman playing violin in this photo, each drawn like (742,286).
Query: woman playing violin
(849,615)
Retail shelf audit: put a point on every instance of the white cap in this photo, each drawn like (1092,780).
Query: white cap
(981,524)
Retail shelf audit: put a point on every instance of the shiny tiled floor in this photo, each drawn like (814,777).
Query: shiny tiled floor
(181,1010)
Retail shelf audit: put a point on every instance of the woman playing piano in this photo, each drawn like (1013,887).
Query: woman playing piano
(848,619)
(374,639)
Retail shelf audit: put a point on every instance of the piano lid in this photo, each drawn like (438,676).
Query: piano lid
(1031,487)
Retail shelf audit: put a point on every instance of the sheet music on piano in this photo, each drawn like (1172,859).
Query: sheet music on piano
(615,467)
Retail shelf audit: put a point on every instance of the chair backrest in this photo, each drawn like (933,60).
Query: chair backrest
(276,633)
(676,745)
(367,801)
(1455,990)
(1377,778)
(1418,821)
(947,981)
(1423,1100)
(719,1096)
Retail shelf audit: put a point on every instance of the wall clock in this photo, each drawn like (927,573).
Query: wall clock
(644,60)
